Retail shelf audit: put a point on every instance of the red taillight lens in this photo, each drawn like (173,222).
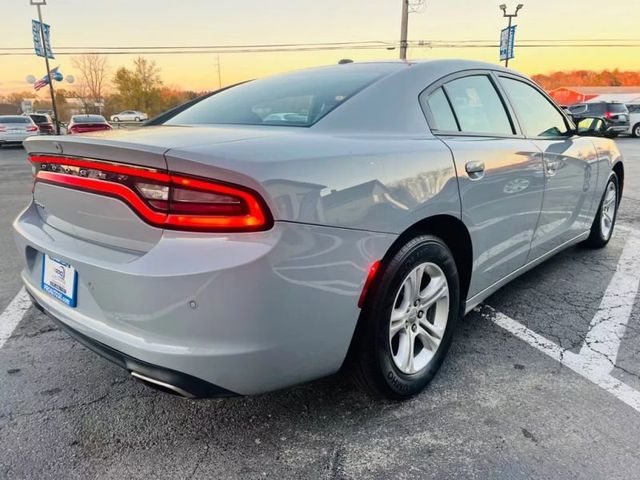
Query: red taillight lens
(608,115)
(32,128)
(161,198)
(3,129)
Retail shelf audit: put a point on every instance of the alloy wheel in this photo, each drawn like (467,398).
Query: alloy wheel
(419,318)
(609,206)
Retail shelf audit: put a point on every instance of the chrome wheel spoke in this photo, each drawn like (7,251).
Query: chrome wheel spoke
(431,330)
(415,278)
(404,358)
(398,322)
(427,340)
(436,290)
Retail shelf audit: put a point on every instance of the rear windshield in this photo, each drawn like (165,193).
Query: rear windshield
(295,99)
(39,118)
(89,119)
(14,119)
(617,108)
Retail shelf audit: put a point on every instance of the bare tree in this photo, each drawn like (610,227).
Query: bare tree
(93,69)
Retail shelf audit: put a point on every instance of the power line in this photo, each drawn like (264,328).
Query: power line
(364,43)
(415,44)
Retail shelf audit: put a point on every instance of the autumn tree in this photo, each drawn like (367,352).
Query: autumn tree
(139,88)
(588,78)
(93,72)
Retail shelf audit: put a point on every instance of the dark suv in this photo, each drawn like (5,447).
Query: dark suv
(44,123)
(615,115)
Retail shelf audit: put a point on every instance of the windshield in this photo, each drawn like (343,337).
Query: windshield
(296,99)
(14,119)
(88,119)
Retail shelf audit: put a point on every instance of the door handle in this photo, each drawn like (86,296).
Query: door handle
(552,167)
(475,170)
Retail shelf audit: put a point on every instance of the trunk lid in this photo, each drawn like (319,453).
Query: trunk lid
(102,219)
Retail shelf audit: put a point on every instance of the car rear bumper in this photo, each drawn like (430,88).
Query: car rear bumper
(618,128)
(14,138)
(243,313)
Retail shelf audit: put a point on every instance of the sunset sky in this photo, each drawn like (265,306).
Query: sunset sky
(113,23)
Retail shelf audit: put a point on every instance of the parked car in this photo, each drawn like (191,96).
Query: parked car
(14,129)
(634,119)
(129,116)
(87,124)
(259,235)
(615,115)
(44,123)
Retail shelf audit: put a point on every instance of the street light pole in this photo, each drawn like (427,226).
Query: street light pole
(510,16)
(38,3)
(404,26)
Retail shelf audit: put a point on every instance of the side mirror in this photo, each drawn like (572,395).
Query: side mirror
(591,127)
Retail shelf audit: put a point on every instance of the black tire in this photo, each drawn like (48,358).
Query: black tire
(374,365)
(635,131)
(597,238)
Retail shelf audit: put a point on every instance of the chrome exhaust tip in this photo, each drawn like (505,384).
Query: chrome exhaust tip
(162,386)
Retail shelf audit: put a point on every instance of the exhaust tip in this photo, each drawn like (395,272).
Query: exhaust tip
(162,386)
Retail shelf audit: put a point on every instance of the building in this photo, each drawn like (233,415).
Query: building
(571,95)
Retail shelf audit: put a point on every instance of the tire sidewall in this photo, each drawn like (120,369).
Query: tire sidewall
(636,130)
(419,250)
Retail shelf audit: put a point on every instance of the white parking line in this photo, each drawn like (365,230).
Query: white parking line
(599,351)
(602,343)
(12,315)
(577,363)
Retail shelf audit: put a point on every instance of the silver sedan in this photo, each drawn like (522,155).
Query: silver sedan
(274,231)
(14,129)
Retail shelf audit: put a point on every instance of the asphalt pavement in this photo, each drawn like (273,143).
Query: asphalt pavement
(531,389)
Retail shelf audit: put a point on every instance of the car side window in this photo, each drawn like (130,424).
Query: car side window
(441,112)
(477,106)
(538,116)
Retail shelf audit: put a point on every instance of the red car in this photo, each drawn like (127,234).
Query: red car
(87,123)
(44,123)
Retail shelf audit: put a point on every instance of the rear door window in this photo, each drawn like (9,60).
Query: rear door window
(617,108)
(478,107)
(442,115)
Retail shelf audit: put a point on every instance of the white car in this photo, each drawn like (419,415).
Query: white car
(634,119)
(14,129)
(129,116)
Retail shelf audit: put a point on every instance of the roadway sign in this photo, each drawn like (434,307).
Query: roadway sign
(507,40)
(37,39)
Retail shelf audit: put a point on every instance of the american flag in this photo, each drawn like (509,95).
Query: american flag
(44,81)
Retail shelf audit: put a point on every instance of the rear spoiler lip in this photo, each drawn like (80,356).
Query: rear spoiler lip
(100,148)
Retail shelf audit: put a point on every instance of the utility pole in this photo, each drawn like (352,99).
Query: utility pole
(219,74)
(404,26)
(510,16)
(38,3)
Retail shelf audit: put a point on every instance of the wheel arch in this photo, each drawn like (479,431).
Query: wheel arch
(453,233)
(618,168)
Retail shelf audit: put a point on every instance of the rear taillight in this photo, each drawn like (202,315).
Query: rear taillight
(608,115)
(32,128)
(163,199)
(3,128)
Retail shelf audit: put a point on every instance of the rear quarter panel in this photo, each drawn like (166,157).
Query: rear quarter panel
(374,183)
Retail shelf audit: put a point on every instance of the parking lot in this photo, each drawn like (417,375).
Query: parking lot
(543,381)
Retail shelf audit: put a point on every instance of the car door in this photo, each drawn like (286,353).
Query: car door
(500,173)
(570,166)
